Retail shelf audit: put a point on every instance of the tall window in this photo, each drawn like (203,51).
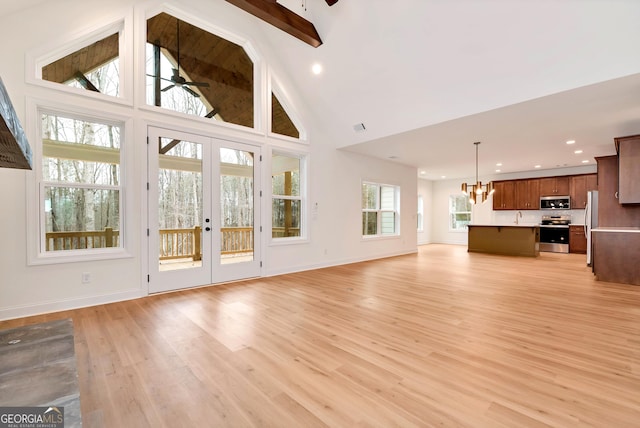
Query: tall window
(420,213)
(459,212)
(286,196)
(80,191)
(380,209)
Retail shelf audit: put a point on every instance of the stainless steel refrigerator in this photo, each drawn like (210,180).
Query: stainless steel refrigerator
(590,221)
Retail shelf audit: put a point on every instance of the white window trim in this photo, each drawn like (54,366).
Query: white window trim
(395,235)
(420,202)
(43,55)
(35,185)
(274,86)
(304,211)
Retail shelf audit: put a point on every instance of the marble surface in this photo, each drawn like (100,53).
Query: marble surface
(38,368)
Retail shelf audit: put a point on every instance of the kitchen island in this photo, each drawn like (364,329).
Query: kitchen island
(507,239)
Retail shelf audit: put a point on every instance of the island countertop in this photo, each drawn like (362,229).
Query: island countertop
(506,225)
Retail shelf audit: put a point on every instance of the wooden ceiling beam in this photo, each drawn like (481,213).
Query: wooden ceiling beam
(282,18)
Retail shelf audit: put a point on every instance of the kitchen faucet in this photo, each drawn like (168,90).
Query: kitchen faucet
(519,213)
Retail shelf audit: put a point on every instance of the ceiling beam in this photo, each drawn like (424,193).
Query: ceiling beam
(282,18)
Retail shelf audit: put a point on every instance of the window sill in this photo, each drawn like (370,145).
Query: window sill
(277,242)
(74,256)
(379,237)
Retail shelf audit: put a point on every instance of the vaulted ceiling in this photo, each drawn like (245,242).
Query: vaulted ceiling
(427,78)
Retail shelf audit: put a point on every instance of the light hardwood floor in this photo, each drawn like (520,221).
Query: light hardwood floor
(439,338)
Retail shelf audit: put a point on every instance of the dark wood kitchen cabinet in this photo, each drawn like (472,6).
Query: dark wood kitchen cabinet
(504,196)
(628,149)
(579,186)
(528,194)
(577,240)
(610,211)
(554,186)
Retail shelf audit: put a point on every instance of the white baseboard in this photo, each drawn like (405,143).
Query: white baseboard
(330,263)
(64,305)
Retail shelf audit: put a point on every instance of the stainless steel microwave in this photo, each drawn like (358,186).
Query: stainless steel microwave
(555,202)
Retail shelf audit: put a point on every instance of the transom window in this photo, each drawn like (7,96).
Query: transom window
(380,209)
(95,67)
(195,72)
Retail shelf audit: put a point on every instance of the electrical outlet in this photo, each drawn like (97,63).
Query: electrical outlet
(86,277)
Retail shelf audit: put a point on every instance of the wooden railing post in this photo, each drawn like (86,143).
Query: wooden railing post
(197,232)
(108,237)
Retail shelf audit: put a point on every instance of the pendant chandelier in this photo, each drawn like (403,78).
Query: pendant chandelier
(478,191)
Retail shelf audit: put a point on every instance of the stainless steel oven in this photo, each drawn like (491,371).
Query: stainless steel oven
(554,233)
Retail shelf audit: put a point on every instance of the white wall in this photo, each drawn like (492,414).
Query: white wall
(334,176)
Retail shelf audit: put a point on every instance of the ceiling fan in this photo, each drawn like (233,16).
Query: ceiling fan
(177,81)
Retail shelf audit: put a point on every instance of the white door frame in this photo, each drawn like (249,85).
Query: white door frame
(210,270)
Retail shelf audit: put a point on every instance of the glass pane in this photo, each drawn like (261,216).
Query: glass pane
(179,204)
(369,196)
(285,175)
(94,67)
(369,223)
(196,72)
(236,206)
(388,222)
(281,123)
(79,218)
(459,221)
(79,151)
(286,218)
(387,198)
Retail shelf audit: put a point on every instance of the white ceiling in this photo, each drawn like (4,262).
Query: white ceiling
(429,77)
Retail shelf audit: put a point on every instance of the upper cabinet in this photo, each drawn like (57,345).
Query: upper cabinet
(524,194)
(554,186)
(528,194)
(504,197)
(611,213)
(580,185)
(628,149)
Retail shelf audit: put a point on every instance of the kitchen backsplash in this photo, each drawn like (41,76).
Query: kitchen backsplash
(530,216)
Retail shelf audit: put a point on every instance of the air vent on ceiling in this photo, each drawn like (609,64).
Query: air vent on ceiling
(359,127)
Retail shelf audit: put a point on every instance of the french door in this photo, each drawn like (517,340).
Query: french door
(204,210)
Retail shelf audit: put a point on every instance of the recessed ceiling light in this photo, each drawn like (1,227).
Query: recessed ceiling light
(571,142)
(538,166)
(423,172)
(316,68)
(577,152)
(497,170)
(585,161)
(499,164)
(443,176)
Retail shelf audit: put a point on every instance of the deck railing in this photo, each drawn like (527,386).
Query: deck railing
(173,244)
(73,240)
